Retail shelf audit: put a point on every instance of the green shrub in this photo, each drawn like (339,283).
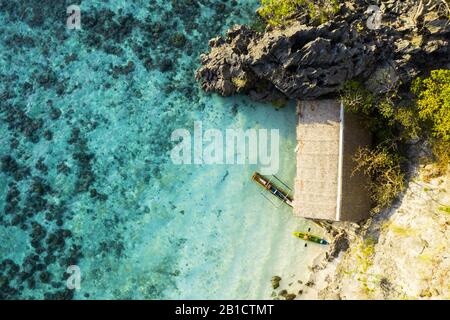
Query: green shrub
(395,121)
(433,102)
(239,82)
(383,114)
(407,118)
(441,153)
(382,166)
(360,101)
(277,12)
(433,106)
(386,108)
(357,99)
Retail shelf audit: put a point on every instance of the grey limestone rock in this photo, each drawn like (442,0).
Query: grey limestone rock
(301,61)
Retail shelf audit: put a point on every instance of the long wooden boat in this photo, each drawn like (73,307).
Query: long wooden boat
(275,190)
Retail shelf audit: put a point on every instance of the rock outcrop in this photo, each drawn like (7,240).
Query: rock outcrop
(301,61)
(402,253)
(275,282)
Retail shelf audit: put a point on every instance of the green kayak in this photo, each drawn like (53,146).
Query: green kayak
(309,237)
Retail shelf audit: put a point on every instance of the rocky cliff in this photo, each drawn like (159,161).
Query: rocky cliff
(305,61)
(401,254)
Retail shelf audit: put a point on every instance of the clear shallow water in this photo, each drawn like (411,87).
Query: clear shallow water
(86,118)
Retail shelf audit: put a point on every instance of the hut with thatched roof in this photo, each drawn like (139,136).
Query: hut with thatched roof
(326,186)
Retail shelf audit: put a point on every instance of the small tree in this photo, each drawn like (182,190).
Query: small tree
(433,102)
(278,12)
(275,12)
(357,99)
(441,153)
(386,178)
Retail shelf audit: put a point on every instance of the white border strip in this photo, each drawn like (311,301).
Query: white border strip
(341,159)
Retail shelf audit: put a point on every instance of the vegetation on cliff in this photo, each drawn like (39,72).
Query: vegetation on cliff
(280,12)
(433,105)
(387,177)
(433,102)
(397,118)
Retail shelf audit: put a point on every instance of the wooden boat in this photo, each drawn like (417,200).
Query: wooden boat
(275,190)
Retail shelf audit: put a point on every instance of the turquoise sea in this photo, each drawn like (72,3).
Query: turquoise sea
(86,177)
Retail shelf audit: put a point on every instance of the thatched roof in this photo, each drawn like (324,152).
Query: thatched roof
(324,181)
